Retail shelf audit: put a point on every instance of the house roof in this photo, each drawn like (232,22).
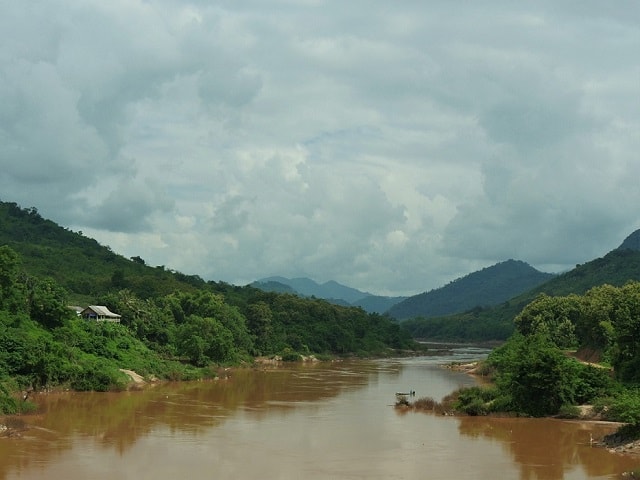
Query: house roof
(101,310)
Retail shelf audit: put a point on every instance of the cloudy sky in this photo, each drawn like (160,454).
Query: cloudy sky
(390,146)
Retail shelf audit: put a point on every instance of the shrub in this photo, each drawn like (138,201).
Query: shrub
(601,405)
(569,411)
(96,375)
(205,340)
(535,374)
(592,383)
(425,403)
(289,355)
(485,369)
(8,404)
(625,408)
(476,401)
(428,404)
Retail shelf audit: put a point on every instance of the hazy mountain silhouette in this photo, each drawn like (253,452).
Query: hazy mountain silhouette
(489,286)
(331,291)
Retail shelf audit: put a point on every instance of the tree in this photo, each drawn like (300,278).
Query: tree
(210,305)
(596,324)
(554,317)
(48,303)
(11,291)
(148,320)
(118,279)
(626,331)
(137,259)
(259,320)
(205,340)
(536,375)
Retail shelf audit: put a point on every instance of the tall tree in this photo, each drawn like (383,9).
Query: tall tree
(12,294)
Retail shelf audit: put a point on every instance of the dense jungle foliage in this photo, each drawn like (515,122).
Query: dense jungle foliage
(173,326)
(534,374)
(496,323)
(79,264)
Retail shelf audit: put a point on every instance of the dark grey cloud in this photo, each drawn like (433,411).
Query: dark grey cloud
(389,146)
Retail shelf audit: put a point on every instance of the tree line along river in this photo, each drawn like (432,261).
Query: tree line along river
(314,421)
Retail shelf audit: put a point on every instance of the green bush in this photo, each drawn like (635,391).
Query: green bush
(569,411)
(592,383)
(625,408)
(601,405)
(476,401)
(8,404)
(535,374)
(289,355)
(628,370)
(43,343)
(98,375)
(206,340)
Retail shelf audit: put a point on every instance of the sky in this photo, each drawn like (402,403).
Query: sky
(389,146)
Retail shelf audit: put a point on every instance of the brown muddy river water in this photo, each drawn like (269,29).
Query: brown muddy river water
(320,421)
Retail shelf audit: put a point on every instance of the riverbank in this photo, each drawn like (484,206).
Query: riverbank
(625,440)
(335,407)
(619,442)
(12,427)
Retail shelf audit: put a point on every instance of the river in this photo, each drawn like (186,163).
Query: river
(312,421)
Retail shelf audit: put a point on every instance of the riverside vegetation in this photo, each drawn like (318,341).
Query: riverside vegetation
(178,326)
(174,326)
(488,323)
(567,351)
(182,335)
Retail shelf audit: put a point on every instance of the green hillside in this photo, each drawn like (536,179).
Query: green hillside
(489,286)
(172,325)
(496,323)
(80,264)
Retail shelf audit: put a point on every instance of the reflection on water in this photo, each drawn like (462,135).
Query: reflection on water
(547,449)
(327,420)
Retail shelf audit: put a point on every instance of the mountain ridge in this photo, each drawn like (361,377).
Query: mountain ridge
(310,288)
(486,287)
(617,267)
(330,291)
(632,242)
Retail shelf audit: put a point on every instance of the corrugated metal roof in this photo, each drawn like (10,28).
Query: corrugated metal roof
(103,311)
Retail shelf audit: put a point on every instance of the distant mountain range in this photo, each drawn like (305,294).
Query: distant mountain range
(487,301)
(309,288)
(616,268)
(331,291)
(487,287)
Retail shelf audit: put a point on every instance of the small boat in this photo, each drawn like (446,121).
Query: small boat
(410,393)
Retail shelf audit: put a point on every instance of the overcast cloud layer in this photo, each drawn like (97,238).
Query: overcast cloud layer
(391,146)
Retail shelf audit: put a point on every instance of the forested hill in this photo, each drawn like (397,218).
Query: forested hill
(616,268)
(80,264)
(489,286)
(168,319)
(632,242)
